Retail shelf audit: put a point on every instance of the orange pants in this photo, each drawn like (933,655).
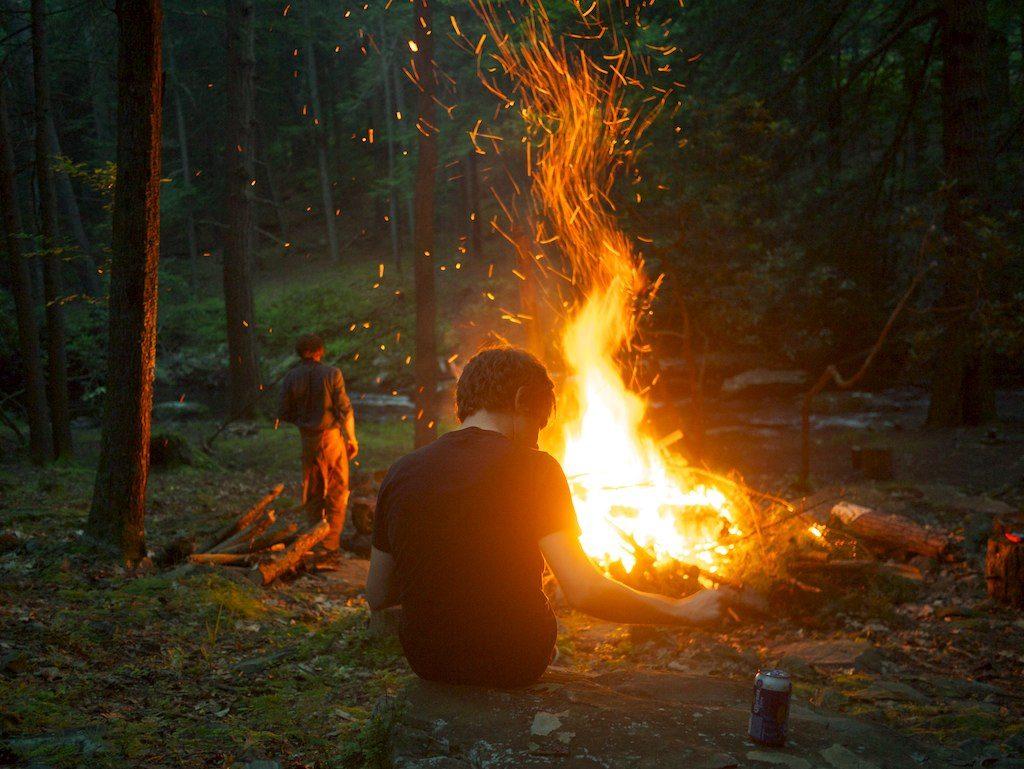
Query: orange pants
(325,480)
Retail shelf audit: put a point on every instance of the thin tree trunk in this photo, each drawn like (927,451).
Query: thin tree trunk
(40,437)
(473,193)
(243,367)
(320,139)
(423,238)
(268,175)
(53,288)
(85,265)
(389,116)
(100,123)
(186,172)
(400,104)
(117,516)
(962,389)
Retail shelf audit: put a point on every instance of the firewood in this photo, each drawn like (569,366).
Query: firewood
(893,531)
(853,566)
(246,536)
(281,531)
(220,558)
(292,555)
(1004,568)
(243,521)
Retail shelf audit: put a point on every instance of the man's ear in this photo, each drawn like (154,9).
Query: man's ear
(521,402)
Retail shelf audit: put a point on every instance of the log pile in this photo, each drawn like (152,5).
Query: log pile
(267,542)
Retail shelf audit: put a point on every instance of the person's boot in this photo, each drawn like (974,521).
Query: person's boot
(333,539)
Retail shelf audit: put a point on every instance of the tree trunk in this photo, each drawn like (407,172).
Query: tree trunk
(320,139)
(400,105)
(100,123)
(186,173)
(962,390)
(243,367)
(389,116)
(53,286)
(423,237)
(40,437)
(473,193)
(118,508)
(268,176)
(85,265)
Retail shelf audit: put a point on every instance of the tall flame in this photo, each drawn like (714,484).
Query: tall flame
(629,492)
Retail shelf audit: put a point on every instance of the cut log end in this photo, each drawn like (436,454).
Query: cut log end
(1004,569)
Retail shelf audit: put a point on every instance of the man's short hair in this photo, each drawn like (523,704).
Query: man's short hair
(309,345)
(492,378)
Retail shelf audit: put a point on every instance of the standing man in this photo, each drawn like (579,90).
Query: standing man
(313,398)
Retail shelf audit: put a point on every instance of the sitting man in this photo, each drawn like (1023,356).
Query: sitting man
(464,525)
(313,398)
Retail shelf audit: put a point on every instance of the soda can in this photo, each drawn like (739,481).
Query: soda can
(770,711)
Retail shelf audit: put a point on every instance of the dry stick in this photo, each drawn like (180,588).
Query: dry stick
(291,556)
(246,536)
(272,537)
(831,374)
(245,520)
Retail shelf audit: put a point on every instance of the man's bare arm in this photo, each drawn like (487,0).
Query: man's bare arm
(381,587)
(590,592)
(349,431)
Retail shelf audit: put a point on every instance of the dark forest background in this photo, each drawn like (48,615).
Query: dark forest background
(786,193)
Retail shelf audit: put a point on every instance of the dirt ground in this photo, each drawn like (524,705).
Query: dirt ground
(169,669)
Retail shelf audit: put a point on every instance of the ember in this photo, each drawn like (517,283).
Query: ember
(631,494)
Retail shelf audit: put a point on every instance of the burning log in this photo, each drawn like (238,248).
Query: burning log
(291,556)
(1004,567)
(889,530)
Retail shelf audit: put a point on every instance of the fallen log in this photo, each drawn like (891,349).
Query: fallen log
(1004,567)
(246,519)
(851,566)
(291,556)
(893,531)
(221,558)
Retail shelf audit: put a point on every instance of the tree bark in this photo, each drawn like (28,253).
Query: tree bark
(962,389)
(389,116)
(40,437)
(117,516)
(243,367)
(53,284)
(473,194)
(423,219)
(186,173)
(320,139)
(400,106)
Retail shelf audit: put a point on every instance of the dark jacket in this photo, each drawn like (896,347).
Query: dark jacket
(313,397)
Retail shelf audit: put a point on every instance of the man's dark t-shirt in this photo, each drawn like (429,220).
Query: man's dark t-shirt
(462,518)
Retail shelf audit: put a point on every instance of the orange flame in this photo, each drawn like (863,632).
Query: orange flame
(628,490)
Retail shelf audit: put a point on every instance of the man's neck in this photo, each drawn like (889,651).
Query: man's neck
(490,420)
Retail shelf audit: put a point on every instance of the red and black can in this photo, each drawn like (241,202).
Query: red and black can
(770,712)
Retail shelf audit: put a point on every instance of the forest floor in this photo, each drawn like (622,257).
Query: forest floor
(171,669)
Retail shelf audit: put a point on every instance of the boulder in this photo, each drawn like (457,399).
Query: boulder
(833,654)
